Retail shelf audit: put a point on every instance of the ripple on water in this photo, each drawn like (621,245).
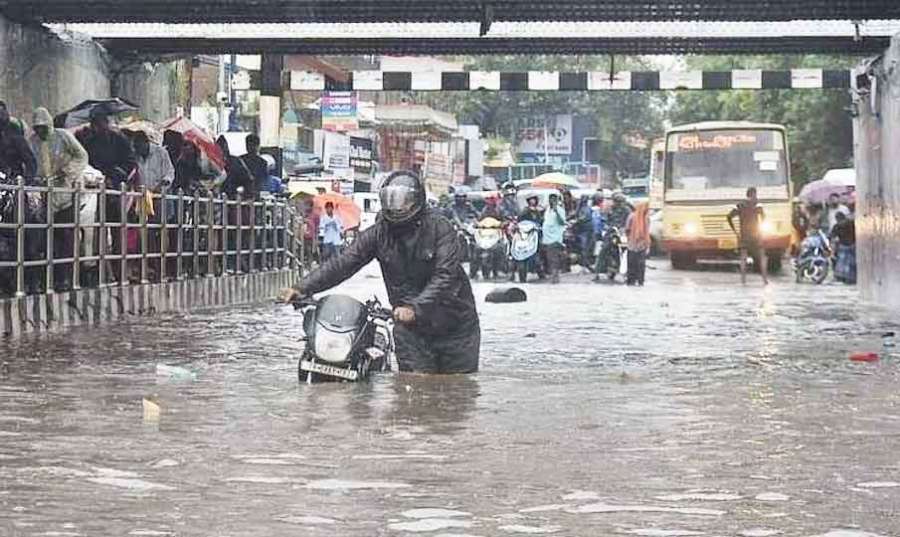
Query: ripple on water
(347,484)
(428,512)
(700,497)
(848,533)
(546,508)
(535,530)
(430,524)
(878,485)
(654,532)
(772,497)
(306,520)
(607,508)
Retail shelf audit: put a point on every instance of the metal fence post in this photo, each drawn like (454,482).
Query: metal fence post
(266,229)
(142,219)
(123,235)
(76,243)
(102,236)
(224,203)
(48,239)
(240,229)
(163,233)
(211,236)
(195,221)
(250,261)
(20,237)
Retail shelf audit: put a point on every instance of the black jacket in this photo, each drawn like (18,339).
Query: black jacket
(16,157)
(110,153)
(421,270)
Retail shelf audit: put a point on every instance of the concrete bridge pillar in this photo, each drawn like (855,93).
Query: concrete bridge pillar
(877,155)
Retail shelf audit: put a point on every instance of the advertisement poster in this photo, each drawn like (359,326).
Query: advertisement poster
(339,111)
(361,154)
(558,130)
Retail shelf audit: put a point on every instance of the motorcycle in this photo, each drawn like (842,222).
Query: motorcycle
(523,249)
(346,340)
(814,259)
(611,251)
(490,249)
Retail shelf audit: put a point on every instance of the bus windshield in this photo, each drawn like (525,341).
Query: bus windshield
(732,158)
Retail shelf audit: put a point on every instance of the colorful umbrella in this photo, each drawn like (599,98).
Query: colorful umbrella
(344,207)
(555,180)
(842,184)
(193,133)
(147,127)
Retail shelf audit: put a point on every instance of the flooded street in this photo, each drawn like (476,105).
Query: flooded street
(692,406)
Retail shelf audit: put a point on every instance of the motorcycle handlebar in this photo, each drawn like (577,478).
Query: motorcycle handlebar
(303,302)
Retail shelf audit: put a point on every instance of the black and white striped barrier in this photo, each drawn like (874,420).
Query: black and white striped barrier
(749,79)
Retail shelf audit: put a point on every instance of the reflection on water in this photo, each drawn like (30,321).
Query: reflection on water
(691,406)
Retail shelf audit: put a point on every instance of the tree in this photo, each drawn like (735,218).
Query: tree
(819,126)
(615,116)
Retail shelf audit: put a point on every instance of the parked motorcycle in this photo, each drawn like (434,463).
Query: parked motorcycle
(611,252)
(524,248)
(346,340)
(814,260)
(490,249)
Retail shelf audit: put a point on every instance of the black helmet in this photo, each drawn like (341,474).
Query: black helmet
(510,189)
(402,197)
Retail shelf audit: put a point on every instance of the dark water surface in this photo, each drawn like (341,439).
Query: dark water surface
(689,407)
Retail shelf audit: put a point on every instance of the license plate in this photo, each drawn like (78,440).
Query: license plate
(331,371)
(727,244)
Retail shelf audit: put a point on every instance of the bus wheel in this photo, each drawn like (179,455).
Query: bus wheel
(682,260)
(774,261)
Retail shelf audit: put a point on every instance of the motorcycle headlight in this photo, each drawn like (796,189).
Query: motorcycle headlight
(333,347)
(767,227)
(691,228)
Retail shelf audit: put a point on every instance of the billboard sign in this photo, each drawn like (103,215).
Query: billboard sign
(558,131)
(339,111)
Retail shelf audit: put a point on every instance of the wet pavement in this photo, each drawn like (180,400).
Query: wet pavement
(691,406)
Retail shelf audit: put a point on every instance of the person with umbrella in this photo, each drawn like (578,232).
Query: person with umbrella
(437,328)
(110,153)
(835,207)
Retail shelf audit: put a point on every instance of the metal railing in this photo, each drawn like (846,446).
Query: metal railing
(158,236)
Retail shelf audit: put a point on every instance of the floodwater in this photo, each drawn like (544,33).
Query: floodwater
(693,406)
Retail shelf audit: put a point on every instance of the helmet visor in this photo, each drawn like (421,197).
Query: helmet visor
(400,199)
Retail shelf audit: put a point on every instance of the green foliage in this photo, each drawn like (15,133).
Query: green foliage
(820,131)
(614,115)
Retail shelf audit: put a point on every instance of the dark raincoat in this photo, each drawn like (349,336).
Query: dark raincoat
(422,269)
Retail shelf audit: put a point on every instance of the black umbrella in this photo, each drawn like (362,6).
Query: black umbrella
(81,114)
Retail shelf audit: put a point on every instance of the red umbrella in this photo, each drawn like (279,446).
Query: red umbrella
(193,133)
(344,208)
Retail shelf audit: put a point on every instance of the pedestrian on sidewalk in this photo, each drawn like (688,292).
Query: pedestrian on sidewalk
(61,162)
(553,232)
(751,215)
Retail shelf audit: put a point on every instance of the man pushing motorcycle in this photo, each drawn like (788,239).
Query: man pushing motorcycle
(437,328)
